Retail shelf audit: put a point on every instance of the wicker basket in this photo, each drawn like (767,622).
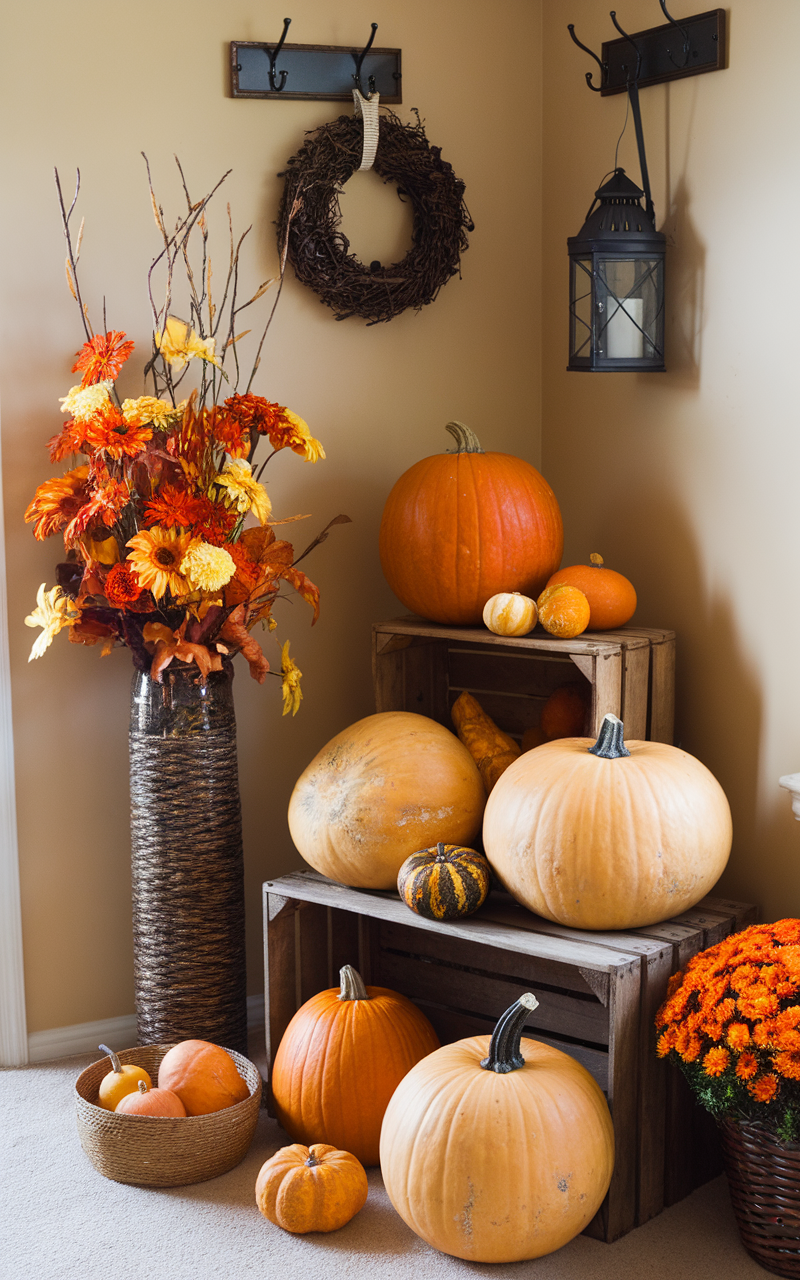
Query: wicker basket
(764,1179)
(163,1152)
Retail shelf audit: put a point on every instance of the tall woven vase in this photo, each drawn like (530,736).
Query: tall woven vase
(764,1181)
(187,865)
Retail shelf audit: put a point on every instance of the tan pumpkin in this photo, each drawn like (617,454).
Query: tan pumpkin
(151,1102)
(203,1075)
(607,836)
(509,613)
(340,1059)
(313,1188)
(381,789)
(497,1149)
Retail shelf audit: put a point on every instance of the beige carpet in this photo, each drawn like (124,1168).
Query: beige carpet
(60,1220)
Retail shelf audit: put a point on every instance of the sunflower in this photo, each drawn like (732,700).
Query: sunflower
(56,502)
(156,559)
(102,357)
(244,489)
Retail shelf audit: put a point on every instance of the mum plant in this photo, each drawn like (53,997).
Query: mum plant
(170,548)
(731,1021)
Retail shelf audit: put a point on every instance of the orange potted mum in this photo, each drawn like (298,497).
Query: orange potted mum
(731,1021)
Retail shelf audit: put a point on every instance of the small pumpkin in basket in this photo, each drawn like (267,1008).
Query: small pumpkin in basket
(119,1081)
(316,1188)
(150,1102)
(445,882)
(340,1060)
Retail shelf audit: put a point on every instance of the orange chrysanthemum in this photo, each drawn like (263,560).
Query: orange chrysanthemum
(763,1089)
(68,441)
(214,522)
(715,1061)
(174,508)
(103,507)
(56,502)
(738,1036)
(108,430)
(758,1002)
(788,1064)
(665,1042)
(747,1065)
(102,357)
(122,586)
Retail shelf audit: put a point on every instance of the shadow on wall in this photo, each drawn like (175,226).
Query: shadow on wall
(718,698)
(686,260)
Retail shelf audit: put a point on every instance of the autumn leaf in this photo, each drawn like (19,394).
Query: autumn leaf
(235,633)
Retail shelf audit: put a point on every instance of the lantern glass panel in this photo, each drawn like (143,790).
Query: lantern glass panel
(581,295)
(629,294)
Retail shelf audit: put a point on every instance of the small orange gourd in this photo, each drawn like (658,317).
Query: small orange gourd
(315,1188)
(151,1102)
(612,598)
(340,1060)
(563,611)
(203,1075)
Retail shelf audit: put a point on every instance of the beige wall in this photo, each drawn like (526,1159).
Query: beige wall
(687,481)
(91,85)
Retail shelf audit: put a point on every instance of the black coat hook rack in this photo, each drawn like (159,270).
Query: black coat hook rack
(260,70)
(678,48)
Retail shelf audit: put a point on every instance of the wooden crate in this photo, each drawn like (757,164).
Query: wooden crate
(598,995)
(419,666)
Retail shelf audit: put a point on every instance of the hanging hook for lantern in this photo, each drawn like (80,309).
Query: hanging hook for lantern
(359,61)
(684,33)
(272,54)
(634,46)
(602,65)
(633,97)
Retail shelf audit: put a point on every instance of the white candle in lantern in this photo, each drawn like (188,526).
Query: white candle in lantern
(623,339)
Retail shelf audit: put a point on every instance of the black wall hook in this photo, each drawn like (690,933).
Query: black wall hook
(272,54)
(684,33)
(632,43)
(602,65)
(359,60)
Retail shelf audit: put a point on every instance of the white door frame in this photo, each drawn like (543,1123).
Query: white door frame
(13,1025)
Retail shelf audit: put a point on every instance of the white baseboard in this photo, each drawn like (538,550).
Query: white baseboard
(119,1033)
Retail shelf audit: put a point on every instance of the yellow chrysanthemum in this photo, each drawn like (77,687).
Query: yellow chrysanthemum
(304,443)
(147,409)
(292,693)
(53,611)
(208,568)
(156,559)
(245,490)
(82,402)
(179,343)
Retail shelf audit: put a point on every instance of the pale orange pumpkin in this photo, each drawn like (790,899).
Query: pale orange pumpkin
(203,1075)
(459,527)
(510,614)
(313,1188)
(340,1060)
(119,1081)
(151,1102)
(497,1149)
(380,790)
(607,835)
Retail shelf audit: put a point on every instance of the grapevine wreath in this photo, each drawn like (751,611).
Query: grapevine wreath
(310,218)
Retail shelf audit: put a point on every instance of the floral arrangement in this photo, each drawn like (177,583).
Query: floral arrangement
(732,1022)
(169,545)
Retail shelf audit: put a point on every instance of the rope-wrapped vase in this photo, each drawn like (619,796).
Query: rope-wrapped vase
(187,864)
(764,1180)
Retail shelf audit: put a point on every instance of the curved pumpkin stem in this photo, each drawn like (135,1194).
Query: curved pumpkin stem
(115,1062)
(142,1086)
(352,984)
(464,437)
(504,1051)
(610,744)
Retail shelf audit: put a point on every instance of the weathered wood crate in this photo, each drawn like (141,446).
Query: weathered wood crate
(598,995)
(419,666)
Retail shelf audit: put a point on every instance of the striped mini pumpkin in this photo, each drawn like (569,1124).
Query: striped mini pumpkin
(444,882)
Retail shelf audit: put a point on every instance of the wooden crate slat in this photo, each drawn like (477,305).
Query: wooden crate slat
(280,991)
(529,675)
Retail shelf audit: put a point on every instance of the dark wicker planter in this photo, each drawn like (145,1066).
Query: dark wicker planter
(187,865)
(764,1180)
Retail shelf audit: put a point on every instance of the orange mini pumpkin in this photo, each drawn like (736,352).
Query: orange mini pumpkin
(340,1060)
(151,1102)
(612,598)
(313,1188)
(203,1075)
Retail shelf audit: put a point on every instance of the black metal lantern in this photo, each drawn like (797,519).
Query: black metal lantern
(616,284)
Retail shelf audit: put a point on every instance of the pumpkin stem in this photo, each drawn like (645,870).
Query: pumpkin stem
(115,1062)
(596,560)
(441,856)
(352,984)
(610,744)
(504,1051)
(464,437)
(142,1086)
(312,1159)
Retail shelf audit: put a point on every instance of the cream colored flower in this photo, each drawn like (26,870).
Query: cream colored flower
(53,611)
(207,568)
(245,490)
(147,409)
(179,343)
(82,402)
(292,694)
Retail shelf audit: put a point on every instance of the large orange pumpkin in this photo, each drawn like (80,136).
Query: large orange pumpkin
(607,835)
(380,790)
(460,527)
(340,1060)
(497,1150)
